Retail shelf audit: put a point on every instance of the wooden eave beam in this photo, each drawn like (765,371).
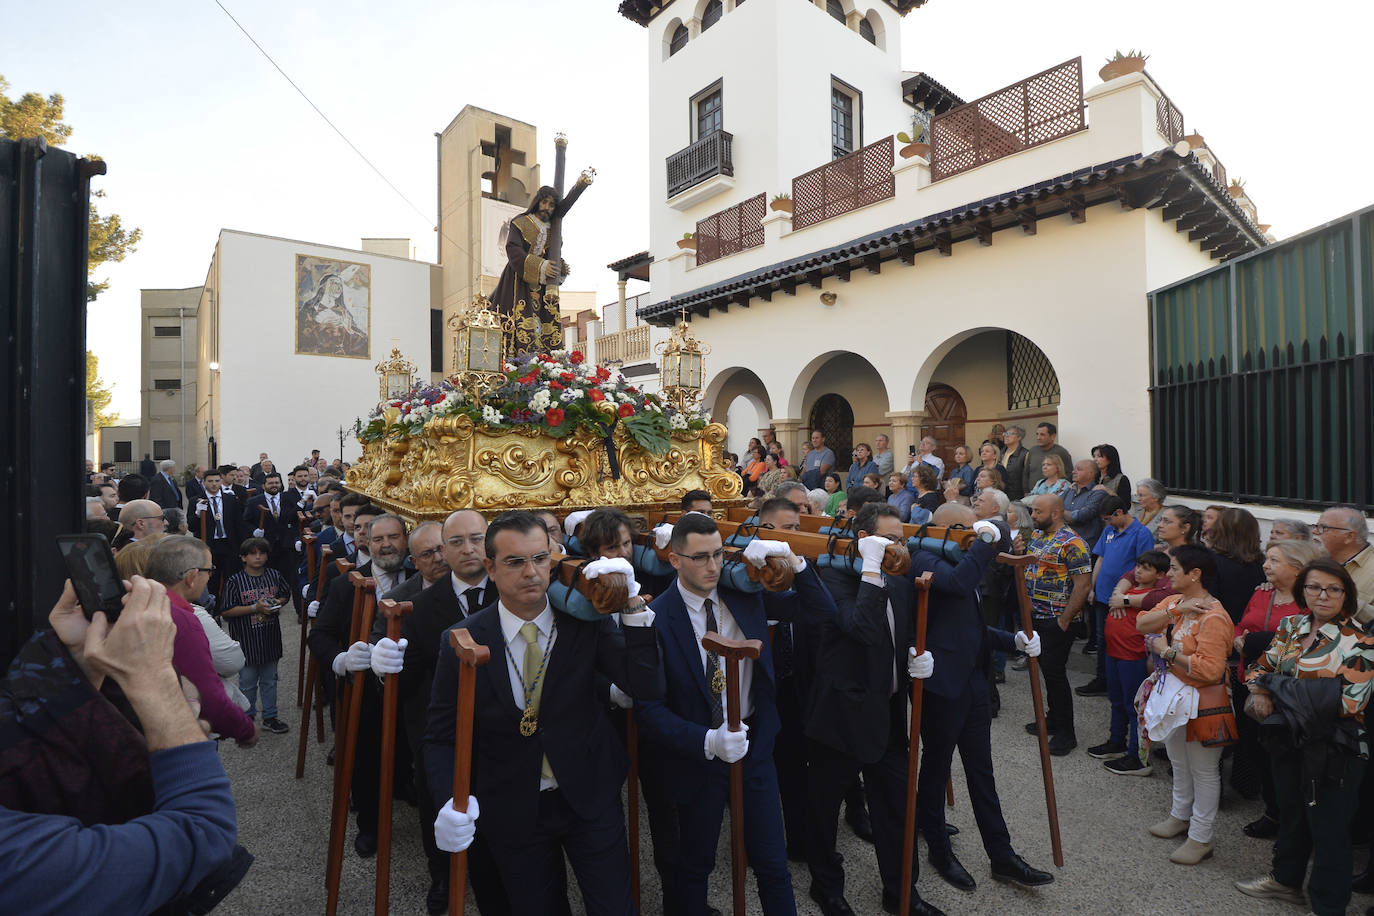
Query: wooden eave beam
(814,278)
(842,271)
(1077,208)
(906,251)
(983,229)
(1027,220)
(789,286)
(1192,220)
(944,244)
(873,263)
(1206,230)
(764,292)
(1177,209)
(1144,192)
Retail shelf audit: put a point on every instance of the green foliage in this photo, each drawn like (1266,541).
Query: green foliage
(650,430)
(916,135)
(98,393)
(1132,53)
(35,116)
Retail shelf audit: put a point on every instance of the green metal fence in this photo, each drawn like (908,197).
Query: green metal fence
(1261,372)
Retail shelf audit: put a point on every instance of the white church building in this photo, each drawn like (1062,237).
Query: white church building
(850,282)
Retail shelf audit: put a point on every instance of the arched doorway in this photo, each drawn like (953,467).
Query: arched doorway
(736,396)
(945,418)
(834,418)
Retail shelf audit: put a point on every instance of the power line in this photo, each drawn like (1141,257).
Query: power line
(333,126)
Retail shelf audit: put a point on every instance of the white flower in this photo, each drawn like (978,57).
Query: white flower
(678,421)
(510,367)
(567,397)
(491,414)
(560,353)
(541,400)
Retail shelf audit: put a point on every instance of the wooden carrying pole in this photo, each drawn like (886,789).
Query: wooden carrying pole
(1018,566)
(308,542)
(204,532)
(313,694)
(471,656)
(351,694)
(913,756)
(733,650)
(394,612)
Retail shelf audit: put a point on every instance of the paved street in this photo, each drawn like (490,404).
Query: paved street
(1111,865)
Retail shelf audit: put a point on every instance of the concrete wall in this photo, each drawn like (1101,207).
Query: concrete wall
(268,398)
(169,415)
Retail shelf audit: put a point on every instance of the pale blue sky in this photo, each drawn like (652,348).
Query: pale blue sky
(200,133)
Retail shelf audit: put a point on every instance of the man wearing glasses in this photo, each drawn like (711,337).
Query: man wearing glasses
(141,518)
(689,722)
(547,769)
(1344,533)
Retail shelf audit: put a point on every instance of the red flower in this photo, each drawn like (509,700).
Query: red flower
(555,386)
(625,410)
(595,394)
(567,377)
(602,373)
(554,416)
(576,357)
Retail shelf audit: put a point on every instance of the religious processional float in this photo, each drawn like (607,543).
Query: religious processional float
(539,431)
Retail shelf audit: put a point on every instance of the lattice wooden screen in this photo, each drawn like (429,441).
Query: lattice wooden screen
(863,177)
(1031,379)
(1168,119)
(730,231)
(1036,110)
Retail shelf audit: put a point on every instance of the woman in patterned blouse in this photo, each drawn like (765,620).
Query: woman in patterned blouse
(1315,809)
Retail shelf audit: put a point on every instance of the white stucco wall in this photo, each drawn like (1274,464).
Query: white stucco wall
(271,399)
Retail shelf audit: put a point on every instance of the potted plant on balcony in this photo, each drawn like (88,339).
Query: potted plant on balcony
(1119,64)
(782,203)
(916,143)
(1237,187)
(688,242)
(1195,140)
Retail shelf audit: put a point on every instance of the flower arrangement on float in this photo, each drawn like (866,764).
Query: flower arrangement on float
(556,392)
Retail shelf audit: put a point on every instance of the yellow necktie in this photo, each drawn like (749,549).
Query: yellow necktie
(534,681)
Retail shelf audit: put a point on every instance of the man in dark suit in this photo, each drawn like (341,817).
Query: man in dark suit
(195,489)
(857,721)
(163,488)
(460,592)
(689,723)
(224,521)
(956,712)
(147,467)
(385,536)
(274,525)
(131,487)
(546,767)
(342,547)
(237,481)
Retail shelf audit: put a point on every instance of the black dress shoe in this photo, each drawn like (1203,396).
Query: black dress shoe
(1034,730)
(1097,687)
(891,902)
(830,906)
(1062,745)
(1017,871)
(436,901)
(953,871)
(365,844)
(1363,883)
(859,822)
(951,830)
(1265,827)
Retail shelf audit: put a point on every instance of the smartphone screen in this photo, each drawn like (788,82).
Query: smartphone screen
(911,450)
(91,567)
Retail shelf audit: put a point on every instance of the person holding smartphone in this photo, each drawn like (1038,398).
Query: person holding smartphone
(253,598)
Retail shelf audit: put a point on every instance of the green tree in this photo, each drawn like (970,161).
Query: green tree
(99,393)
(32,115)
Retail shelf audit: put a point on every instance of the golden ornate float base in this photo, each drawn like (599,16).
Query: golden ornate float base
(455,463)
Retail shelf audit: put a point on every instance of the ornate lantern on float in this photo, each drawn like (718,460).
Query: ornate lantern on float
(479,347)
(395,375)
(681,363)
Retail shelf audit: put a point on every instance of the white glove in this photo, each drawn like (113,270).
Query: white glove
(313,610)
(305,589)
(758,551)
(202,506)
(871,549)
(388,656)
(723,744)
(1029,646)
(573,520)
(987,532)
(615,565)
(358,657)
(257,532)
(298,547)
(455,830)
(621,698)
(662,535)
(340,665)
(919,666)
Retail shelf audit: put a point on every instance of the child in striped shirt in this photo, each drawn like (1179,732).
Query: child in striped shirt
(251,600)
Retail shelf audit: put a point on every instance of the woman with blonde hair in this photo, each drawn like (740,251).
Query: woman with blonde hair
(1053,481)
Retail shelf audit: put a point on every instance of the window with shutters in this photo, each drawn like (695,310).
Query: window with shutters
(678,41)
(711,15)
(845,111)
(123,452)
(166,384)
(160,330)
(836,10)
(866,30)
(162,449)
(708,113)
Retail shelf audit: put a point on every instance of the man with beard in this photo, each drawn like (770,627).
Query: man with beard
(386,540)
(528,288)
(453,598)
(224,521)
(274,527)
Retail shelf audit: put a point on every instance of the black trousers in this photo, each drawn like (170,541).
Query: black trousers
(830,775)
(224,556)
(367,762)
(1055,645)
(664,829)
(789,759)
(1320,831)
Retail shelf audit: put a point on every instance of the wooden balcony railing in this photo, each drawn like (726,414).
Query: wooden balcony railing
(627,347)
(732,230)
(706,158)
(1168,119)
(861,178)
(1040,108)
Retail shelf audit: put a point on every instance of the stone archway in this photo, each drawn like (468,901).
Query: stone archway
(945,418)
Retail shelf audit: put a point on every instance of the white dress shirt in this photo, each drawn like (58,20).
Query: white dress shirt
(515,658)
(460,588)
(730,629)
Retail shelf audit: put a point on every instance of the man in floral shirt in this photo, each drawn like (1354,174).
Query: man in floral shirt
(1058,582)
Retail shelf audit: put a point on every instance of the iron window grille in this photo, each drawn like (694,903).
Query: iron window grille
(1031,379)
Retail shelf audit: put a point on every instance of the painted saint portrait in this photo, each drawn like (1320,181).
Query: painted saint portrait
(333,307)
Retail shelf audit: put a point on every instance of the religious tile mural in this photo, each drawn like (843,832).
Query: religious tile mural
(333,307)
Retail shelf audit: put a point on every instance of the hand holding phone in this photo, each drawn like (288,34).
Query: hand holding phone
(94,576)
